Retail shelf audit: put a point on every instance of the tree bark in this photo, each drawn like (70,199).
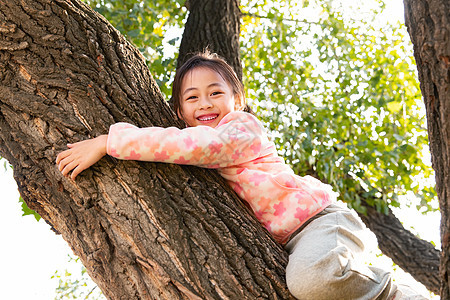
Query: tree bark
(428,23)
(143,230)
(213,24)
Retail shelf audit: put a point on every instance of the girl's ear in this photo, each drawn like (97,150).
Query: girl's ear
(238,102)
(179,114)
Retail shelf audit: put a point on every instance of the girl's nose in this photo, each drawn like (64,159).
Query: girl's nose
(205,103)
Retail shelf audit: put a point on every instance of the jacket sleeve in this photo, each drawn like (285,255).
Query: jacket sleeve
(237,139)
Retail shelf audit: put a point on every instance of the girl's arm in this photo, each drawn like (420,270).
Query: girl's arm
(237,139)
(81,155)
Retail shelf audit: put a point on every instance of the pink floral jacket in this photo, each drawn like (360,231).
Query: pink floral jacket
(239,148)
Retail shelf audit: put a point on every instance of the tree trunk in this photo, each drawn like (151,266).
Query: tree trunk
(143,230)
(214,24)
(428,23)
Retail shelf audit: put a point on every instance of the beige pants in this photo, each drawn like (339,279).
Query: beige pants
(324,261)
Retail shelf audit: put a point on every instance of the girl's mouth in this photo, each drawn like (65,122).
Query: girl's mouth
(205,119)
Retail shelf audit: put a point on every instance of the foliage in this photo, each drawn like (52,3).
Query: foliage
(28,211)
(71,286)
(341,98)
(25,209)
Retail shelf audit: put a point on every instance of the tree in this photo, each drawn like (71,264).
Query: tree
(428,25)
(103,223)
(213,28)
(141,230)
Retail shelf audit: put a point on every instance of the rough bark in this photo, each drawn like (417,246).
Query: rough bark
(428,23)
(214,24)
(143,230)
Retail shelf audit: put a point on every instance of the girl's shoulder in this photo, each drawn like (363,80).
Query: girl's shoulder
(242,121)
(239,117)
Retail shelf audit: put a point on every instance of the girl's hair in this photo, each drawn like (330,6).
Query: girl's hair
(215,63)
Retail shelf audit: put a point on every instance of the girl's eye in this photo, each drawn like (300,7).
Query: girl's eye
(191,98)
(216,93)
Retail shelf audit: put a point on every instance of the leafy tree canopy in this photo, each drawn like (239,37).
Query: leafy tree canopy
(76,286)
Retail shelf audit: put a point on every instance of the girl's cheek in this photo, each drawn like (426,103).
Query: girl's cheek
(182,117)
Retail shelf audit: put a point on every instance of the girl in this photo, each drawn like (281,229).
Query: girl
(321,238)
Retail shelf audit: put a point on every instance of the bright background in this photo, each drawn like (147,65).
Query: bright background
(31,253)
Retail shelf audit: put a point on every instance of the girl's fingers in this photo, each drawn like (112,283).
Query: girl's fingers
(62,155)
(81,155)
(65,161)
(77,144)
(77,171)
(65,153)
(69,167)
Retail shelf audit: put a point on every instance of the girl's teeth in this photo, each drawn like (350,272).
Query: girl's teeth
(207,119)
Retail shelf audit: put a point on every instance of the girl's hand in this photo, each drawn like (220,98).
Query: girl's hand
(81,155)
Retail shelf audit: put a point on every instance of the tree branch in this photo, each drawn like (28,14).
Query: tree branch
(415,256)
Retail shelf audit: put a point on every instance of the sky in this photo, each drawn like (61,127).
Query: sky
(31,252)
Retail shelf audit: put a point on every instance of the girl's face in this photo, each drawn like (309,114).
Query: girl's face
(205,98)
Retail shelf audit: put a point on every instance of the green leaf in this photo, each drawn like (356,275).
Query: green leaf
(173,41)
(134,33)
(398,137)
(394,107)
(27,211)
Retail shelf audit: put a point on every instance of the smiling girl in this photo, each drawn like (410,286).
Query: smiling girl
(323,239)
